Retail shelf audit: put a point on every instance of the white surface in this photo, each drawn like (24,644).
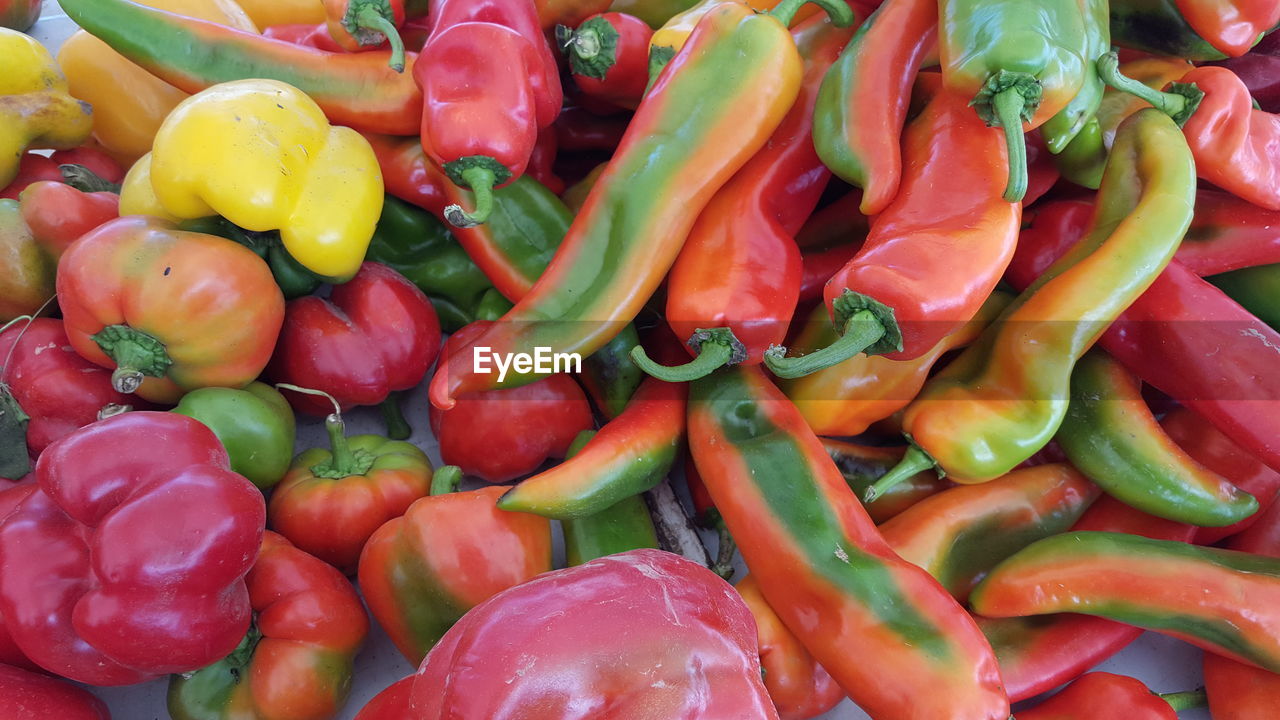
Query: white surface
(1165,665)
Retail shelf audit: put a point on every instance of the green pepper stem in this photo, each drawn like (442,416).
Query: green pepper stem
(861,330)
(15,321)
(1185,700)
(86,180)
(135,354)
(1008,105)
(837,10)
(914,461)
(393,417)
(370,19)
(711,355)
(481,181)
(1179,103)
(343,463)
(446,480)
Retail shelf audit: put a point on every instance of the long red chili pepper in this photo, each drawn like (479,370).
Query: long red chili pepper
(1103,696)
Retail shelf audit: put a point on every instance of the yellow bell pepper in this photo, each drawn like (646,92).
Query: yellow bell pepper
(36,111)
(136,195)
(261,154)
(284,12)
(130,103)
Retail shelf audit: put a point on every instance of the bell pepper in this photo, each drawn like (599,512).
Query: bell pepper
(356,89)
(358,24)
(929,260)
(799,688)
(372,338)
(558,646)
(863,102)
(332,499)
(11,495)
(296,660)
(449,552)
(390,704)
(36,109)
(294,280)
(254,424)
(1256,289)
(1003,398)
(608,57)
(1216,599)
(624,525)
(489,83)
(19,15)
(961,533)
(530,423)
(27,280)
(25,694)
(625,239)
(148,543)
(733,288)
(846,398)
(629,455)
(136,296)
(862,465)
(823,567)
(58,213)
(1104,696)
(320,186)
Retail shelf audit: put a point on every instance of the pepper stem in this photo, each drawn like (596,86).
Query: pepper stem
(393,417)
(481,181)
(1008,105)
(86,180)
(861,330)
(1179,103)
(370,19)
(592,49)
(1185,700)
(343,461)
(914,461)
(446,480)
(136,354)
(710,357)
(837,10)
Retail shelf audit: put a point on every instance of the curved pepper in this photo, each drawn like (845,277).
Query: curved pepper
(616,636)
(930,260)
(148,543)
(1082,109)
(26,270)
(1220,600)
(358,24)
(626,238)
(823,567)
(1256,289)
(296,661)
(1230,26)
(1158,26)
(609,57)
(136,295)
(58,214)
(862,465)
(1004,397)
(36,109)
(624,525)
(254,424)
(1258,69)
(356,89)
(449,552)
(1103,696)
(630,454)
(961,533)
(25,694)
(863,102)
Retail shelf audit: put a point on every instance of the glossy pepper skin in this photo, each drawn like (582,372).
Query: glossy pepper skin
(149,316)
(28,271)
(624,525)
(825,569)
(961,533)
(1104,696)
(358,24)
(325,202)
(1230,26)
(1255,288)
(36,110)
(567,12)
(58,214)
(144,550)
(863,102)
(1219,600)
(254,424)
(294,280)
(1257,69)
(639,213)
(629,455)
(1111,435)
(608,57)
(25,694)
(1082,109)
(390,704)
(1234,145)
(581,626)
(449,552)
(1159,27)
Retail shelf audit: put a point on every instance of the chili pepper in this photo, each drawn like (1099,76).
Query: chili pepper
(930,260)
(823,567)
(1258,70)
(1111,435)
(136,296)
(530,423)
(588,658)
(1159,27)
(357,24)
(449,552)
(1104,696)
(609,375)
(280,12)
(255,425)
(315,36)
(863,101)
(608,57)
(960,534)
(582,301)
(36,110)
(296,660)
(173,532)
(356,89)
(57,213)
(291,277)
(629,455)
(1255,289)
(578,129)
(845,399)
(1230,26)
(622,526)
(25,694)
(1059,130)
(1003,398)
(671,35)
(798,686)
(1237,691)
(390,704)
(733,288)
(27,279)
(862,465)
(19,15)
(1042,170)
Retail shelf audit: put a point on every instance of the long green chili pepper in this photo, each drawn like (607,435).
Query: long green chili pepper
(625,525)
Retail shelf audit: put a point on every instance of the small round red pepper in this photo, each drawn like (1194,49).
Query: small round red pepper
(609,57)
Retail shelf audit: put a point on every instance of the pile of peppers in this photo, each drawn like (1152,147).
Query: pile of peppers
(639,359)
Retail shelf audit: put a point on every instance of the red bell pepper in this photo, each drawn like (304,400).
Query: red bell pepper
(1103,696)
(58,213)
(639,634)
(143,547)
(390,704)
(449,552)
(376,335)
(609,57)
(12,495)
(529,423)
(26,695)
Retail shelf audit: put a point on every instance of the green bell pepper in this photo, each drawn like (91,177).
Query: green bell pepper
(255,425)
